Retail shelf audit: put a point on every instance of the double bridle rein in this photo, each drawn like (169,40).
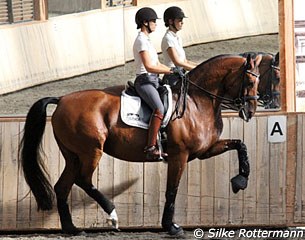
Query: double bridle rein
(237,104)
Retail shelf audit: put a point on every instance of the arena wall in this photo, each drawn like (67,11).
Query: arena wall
(274,197)
(38,52)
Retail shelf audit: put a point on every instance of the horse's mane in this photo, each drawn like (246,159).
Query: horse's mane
(212,59)
(218,56)
(254,54)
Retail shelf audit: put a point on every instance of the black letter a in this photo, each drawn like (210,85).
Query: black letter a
(276,128)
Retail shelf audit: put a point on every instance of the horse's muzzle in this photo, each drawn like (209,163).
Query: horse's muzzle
(245,115)
(246,112)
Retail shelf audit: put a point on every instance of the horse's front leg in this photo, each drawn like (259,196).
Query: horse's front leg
(174,173)
(240,181)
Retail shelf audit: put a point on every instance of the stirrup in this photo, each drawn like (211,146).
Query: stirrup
(152,153)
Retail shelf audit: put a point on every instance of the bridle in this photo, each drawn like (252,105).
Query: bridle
(267,99)
(237,104)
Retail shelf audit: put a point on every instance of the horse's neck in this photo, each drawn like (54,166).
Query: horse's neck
(205,110)
(203,102)
(209,78)
(215,77)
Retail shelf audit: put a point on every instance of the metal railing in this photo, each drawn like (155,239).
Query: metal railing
(12,11)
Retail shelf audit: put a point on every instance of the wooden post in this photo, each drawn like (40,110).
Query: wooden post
(10,11)
(103,4)
(291,166)
(40,10)
(288,95)
(287,55)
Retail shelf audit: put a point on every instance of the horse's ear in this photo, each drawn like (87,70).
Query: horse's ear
(249,61)
(277,57)
(258,59)
(249,58)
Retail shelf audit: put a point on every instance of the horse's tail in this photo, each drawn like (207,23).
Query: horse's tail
(33,168)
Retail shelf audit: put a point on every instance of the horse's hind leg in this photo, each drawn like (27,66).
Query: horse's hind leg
(84,181)
(63,188)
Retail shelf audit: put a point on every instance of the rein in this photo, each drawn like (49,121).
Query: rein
(233,104)
(212,95)
(181,102)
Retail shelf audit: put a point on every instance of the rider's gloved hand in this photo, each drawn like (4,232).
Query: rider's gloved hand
(177,71)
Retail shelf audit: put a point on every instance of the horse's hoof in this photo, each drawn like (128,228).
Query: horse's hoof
(113,223)
(175,230)
(81,233)
(72,230)
(239,182)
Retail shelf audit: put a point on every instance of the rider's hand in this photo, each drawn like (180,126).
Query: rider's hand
(177,71)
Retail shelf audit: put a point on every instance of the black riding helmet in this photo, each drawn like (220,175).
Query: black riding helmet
(173,13)
(145,14)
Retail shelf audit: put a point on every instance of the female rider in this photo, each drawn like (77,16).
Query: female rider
(148,69)
(173,52)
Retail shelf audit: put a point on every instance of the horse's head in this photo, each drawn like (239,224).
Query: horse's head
(242,85)
(276,82)
(231,80)
(269,86)
(249,87)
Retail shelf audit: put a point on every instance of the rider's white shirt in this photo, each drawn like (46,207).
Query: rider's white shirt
(171,39)
(143,43)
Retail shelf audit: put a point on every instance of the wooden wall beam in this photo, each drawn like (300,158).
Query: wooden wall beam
(40,10)
(287,55)
(291,171)
(103,4)
(10,11)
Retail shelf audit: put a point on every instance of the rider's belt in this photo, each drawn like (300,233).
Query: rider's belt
(148,74)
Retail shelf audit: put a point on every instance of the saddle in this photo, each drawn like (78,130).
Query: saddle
(135,112)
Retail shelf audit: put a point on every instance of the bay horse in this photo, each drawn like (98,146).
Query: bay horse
(88,123)
(269,83)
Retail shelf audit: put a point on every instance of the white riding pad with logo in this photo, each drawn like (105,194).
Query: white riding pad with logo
(136,113)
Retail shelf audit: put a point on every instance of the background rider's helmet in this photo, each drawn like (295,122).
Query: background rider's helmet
(145,14)
(173,13)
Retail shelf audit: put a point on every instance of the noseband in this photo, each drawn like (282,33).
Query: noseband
(236,104)
(247,98)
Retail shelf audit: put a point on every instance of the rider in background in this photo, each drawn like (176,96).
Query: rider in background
(148,69)
(172,48)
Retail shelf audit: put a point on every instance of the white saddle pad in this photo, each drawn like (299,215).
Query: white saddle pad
(136,114)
